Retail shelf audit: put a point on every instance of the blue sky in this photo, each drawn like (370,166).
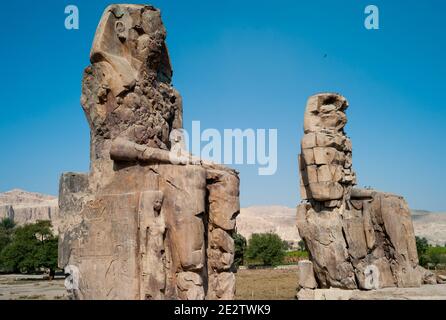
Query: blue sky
(244,64)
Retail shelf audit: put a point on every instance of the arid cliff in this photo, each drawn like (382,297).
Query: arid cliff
(28,207)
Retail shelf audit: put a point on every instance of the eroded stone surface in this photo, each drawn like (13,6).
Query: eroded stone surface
(358,239)
(149,221)
(306,278)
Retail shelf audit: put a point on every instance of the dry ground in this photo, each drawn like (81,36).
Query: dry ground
(28,287)
(251,284)
(267,284)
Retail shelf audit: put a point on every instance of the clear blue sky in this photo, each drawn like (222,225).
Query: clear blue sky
(244,64)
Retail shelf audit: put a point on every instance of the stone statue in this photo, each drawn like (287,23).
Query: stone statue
(149,221)
(357,238)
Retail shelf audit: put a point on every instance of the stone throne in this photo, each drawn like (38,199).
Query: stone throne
(148,221)
(357,238)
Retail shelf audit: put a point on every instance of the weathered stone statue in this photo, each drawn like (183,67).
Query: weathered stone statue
(149,221)
(357,238)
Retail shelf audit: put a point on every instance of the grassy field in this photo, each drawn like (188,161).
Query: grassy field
(266,284)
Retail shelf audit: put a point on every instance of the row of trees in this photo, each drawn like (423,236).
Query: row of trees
(430,256)
(27,249)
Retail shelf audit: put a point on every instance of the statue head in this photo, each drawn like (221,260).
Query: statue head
(131,39)
(158,202)
(325,112)
(126,91)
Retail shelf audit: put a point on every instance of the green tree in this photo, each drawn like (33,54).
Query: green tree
(302,246)
(422,245)
(33,247)
(240,248)
(422,248)
(6,229)
(435,259)
(267,247)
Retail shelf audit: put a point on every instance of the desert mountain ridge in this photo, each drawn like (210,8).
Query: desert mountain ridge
(21,197)
(27,207)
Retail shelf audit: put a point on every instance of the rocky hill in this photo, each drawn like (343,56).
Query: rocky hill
(261,219)
(27,207)
(431,225)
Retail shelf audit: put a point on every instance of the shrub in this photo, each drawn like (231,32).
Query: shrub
(6,230)
(429,255)
(240,248)
(267,248)
(422,245)
(302,246)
